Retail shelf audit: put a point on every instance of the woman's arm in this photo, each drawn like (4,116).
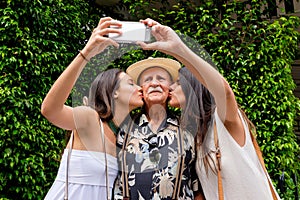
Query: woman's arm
(53,106)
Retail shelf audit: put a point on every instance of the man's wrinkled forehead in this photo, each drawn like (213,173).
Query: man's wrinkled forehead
(156,70)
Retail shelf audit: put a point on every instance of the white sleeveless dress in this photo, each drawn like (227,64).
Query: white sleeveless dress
(87,178)
(242,174)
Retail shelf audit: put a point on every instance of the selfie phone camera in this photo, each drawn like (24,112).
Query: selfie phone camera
(132,32)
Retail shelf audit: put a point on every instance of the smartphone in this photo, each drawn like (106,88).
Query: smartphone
(132,32)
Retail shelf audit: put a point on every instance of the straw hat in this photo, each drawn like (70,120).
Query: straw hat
(170,65)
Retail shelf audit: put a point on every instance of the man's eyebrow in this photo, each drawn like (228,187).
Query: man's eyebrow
(160,76)
(147,77)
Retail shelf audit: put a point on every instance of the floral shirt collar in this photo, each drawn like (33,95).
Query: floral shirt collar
(170,119)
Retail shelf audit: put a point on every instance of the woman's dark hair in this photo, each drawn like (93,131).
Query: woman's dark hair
(199,104)
(198,111)
(197,114)
(101,93)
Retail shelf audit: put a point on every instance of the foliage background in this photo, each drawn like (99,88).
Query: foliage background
(40,38)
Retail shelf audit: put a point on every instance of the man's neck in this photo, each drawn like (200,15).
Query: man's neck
(156,115)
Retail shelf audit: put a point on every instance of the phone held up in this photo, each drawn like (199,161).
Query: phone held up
(132,32)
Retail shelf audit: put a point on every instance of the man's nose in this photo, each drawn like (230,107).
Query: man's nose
(154,82)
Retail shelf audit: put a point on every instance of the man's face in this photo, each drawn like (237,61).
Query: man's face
(155,83)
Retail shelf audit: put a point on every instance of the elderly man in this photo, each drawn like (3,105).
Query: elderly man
(155,156)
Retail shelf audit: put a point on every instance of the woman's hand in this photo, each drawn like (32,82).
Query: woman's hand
(167,41)
(98,41)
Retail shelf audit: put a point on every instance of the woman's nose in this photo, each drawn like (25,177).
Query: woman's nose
(172,87)
(139,88)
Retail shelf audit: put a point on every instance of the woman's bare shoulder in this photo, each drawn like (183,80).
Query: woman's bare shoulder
(84,116)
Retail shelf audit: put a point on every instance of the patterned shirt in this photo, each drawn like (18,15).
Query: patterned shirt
(156,163)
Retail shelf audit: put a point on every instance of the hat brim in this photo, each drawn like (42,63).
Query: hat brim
(170,65)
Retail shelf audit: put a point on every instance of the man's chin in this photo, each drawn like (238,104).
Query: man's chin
(156,100)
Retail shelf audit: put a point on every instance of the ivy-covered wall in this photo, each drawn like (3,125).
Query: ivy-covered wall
(40,38)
